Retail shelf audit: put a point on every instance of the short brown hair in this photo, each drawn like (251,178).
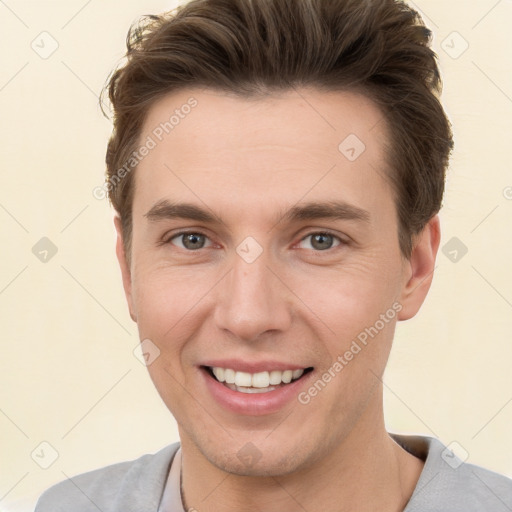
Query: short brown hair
(380,48)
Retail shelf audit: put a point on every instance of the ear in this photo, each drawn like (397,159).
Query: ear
(419,269)
(125,268)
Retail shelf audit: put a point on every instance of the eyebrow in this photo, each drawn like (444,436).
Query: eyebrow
(337,210)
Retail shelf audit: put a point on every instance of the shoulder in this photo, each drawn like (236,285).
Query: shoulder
(485,490)
(132,485)
(447,483)
(467,488)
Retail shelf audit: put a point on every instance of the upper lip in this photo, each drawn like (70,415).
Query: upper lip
(253,366)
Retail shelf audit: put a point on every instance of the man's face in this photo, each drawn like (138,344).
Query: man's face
(266,280)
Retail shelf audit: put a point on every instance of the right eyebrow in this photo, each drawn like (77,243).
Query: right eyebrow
(163,210)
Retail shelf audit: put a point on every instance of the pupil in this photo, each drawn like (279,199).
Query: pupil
(193,241)
(322,241)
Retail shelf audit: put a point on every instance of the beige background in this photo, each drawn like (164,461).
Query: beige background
(68,373)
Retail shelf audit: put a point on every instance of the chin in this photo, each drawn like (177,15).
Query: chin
(267,465)
(257,456)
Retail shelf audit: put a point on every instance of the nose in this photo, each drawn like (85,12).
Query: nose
(252,301)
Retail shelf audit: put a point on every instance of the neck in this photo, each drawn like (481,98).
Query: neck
(365,471)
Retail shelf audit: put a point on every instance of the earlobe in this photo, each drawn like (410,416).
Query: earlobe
(124,266)
(419,269)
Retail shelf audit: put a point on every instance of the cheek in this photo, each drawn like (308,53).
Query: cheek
(349,299)
(164,298)
(170,308)
(170,312)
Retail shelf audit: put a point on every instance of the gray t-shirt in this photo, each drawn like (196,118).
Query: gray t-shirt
(151,483)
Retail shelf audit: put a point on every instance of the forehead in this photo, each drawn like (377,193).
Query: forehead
(280,147)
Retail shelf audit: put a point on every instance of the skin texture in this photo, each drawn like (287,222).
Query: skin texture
(247,162)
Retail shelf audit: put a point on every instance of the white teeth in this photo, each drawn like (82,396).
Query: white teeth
(229,375)
(297,373)
(275,377)
(259,380)
(287,376)
(250,390)
(219,373)
(243,379)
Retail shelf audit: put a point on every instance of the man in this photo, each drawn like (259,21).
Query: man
(276,169)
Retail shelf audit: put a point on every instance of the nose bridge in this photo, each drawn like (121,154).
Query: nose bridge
(252,300)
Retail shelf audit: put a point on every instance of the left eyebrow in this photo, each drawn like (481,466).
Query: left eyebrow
(336,210)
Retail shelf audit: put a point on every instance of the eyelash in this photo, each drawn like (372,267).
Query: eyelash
(341,241)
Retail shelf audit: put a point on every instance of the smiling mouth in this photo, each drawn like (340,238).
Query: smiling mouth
(261,382)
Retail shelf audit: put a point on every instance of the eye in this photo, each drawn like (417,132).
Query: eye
(321,241)
(191,241)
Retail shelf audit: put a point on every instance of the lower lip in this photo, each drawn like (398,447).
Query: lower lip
(253,404)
